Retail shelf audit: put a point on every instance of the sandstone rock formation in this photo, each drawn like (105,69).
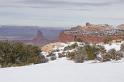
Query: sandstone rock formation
(91,33)
(63,37)
(121,27)
(39,39)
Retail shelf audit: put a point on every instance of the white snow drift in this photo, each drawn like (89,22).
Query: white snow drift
(62,70)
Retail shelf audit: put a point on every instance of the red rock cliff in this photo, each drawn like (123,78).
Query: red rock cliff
(63,37)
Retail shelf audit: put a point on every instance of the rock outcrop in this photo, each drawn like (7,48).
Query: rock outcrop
(39,39)
(91,33)
(121,27)
(63,37)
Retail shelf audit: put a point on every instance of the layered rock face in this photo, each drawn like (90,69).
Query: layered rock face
(63,37)
(91,33)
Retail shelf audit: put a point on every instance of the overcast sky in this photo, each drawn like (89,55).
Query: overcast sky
(62,13)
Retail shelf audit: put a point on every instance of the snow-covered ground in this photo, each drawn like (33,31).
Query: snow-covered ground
(63,70)
(115,46)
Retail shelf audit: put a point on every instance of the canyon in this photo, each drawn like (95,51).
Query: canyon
(39,36)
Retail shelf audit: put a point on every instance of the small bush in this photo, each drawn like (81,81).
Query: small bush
(79,58)
(101,49)
(43,59)
(71,55)
(60,55)
(73,46)
(112,54)
(53,58)
(122,47)
(78,55)
(51,54)
(106,57)
(91,52)
(119,55)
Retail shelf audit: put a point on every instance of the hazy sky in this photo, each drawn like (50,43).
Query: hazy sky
(62,13)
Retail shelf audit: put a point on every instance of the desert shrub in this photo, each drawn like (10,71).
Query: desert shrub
(71,47)
(112,54)
(87,52)
(122,47)
(51,54)
(101,49)
(92,51)
(74,45)
(56,50)
(79,58)
(106,57)
(53,57)
(18,54)
(78,55)
(70,55)
(60,55)
(119,55)
(43,59)
(81,55)
(66,48)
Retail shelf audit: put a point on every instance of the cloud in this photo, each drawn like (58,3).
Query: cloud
(68,12)
(79,9)
(60,4)
(67,3)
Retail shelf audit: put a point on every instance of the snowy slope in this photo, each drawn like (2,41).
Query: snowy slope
(62,70)
(115,46)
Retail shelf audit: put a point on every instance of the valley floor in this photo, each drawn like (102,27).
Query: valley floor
(62,70)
